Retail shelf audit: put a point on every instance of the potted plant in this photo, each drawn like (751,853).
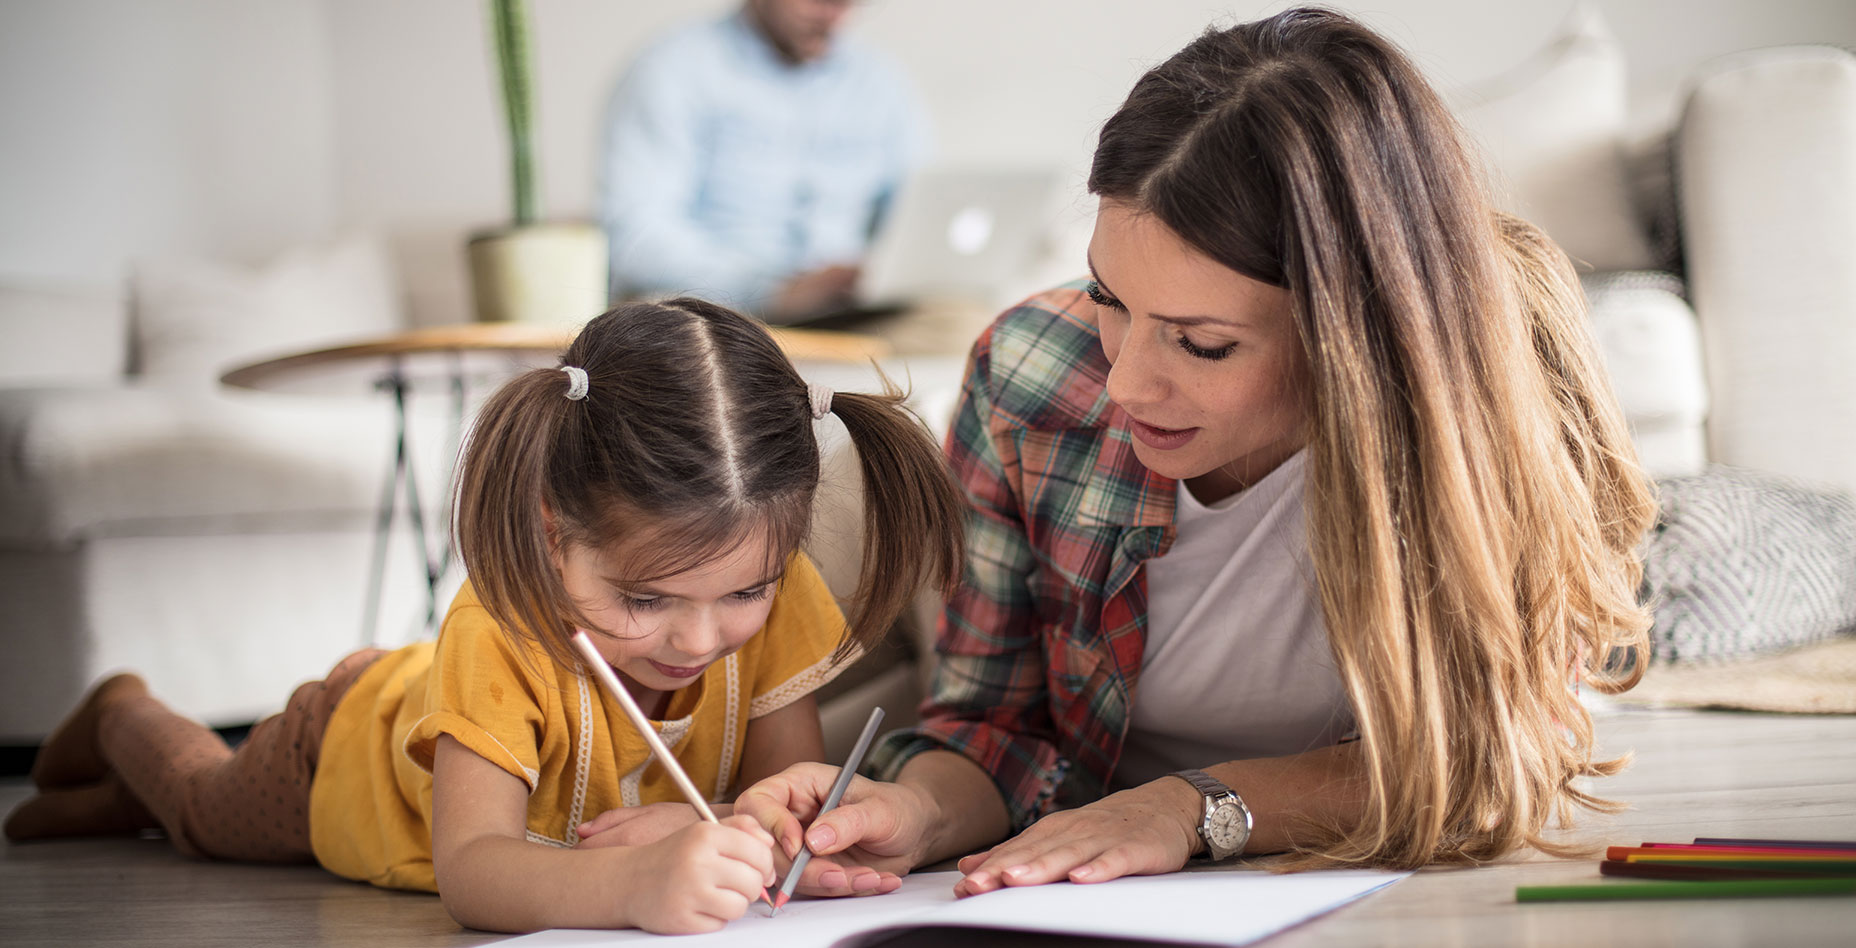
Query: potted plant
(530,271)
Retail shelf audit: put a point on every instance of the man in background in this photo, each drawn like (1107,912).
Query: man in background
(747,160)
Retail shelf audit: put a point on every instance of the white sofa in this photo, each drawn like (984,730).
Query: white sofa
(218,541)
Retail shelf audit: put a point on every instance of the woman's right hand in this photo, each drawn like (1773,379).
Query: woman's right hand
(875,835)
(698,878)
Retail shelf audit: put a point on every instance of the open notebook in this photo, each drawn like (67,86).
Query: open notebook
(1215,907)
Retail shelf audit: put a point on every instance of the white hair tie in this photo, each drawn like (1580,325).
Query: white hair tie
(820,397)
(577,385)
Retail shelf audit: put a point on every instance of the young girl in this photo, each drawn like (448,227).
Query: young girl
(654,491)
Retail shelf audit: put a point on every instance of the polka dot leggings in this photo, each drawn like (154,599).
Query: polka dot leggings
(251,804)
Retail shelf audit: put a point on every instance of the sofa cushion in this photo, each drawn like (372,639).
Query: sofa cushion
(63,335)
(139,461)
(1766,169)
(196,319)
(1554,133)
(1646,333)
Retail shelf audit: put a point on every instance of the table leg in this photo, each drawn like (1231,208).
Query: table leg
(394,383)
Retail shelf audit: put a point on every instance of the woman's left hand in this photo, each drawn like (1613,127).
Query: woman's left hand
(1144,830)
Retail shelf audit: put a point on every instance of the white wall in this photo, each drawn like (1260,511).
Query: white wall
(1006,81)
(130,127)
(229,127)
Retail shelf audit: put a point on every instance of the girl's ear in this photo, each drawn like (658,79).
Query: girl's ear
(550,527)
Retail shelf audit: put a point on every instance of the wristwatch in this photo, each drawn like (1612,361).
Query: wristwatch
(1225,824)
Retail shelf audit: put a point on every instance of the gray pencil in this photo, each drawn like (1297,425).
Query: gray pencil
(831,800)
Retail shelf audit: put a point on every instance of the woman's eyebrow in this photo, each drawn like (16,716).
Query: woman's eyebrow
(1174,320)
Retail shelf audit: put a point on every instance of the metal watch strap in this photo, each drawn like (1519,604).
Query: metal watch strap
(1212,789)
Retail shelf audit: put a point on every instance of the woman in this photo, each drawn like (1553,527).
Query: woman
(1316,490)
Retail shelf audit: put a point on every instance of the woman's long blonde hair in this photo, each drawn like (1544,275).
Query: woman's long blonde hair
(1474,500)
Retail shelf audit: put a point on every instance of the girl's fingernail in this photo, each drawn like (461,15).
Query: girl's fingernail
(1018,872)
(1082,872)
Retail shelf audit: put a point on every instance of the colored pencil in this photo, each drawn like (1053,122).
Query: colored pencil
(1744,855)
(1782,843)
(1758,850)
(610,679)
(1670,870)
(1739,888)
(1751,861)
(1820,868)
(838,786)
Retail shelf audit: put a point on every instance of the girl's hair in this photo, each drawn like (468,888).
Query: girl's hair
(1474,499)
(694,437)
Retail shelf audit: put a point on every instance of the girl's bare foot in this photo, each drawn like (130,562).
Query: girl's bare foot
(70,757)
(106,808)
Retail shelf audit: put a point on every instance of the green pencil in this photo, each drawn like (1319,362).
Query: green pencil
(1738,888)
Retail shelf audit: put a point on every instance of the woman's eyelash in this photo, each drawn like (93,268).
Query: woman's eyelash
(1098,297)
(1204,353)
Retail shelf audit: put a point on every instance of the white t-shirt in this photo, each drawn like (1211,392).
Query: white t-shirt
(1237,662)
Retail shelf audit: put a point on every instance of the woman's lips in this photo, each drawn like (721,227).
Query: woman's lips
(1164,439)
(677,671)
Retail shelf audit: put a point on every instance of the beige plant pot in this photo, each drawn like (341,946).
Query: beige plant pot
(546,274)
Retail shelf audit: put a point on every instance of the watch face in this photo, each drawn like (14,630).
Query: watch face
(1225,830)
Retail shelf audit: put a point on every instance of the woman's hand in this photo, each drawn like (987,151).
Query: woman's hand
(874,836)
(1145,830)
(699,878)
(638,825)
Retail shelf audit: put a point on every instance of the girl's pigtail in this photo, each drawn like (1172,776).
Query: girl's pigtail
(498,521)
(913,514)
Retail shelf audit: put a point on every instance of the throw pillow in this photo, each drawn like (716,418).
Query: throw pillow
(194,320)
(62,336)
(1553,131)
(1742,563)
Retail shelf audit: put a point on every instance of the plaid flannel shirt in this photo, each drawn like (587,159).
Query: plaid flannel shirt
(1040,647)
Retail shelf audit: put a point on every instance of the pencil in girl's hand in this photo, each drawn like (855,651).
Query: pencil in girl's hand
(604,673)
(838,786)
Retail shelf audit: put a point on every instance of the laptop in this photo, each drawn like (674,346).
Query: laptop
(973,234)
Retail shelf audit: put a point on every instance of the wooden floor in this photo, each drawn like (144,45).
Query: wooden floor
(1697,774)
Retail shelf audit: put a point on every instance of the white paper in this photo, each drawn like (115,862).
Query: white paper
(1225,907)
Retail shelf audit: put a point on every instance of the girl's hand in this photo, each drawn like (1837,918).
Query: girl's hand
(864,846)
(637,825)
(1145,830)
(698,878)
